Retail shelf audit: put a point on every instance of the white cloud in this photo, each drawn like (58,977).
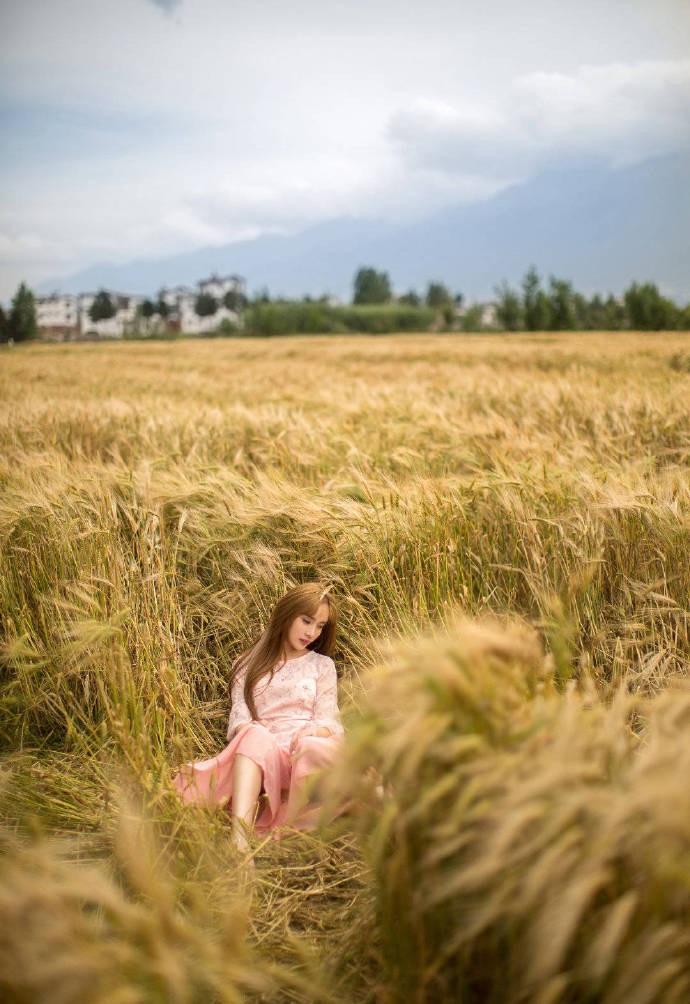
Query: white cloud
(316,190)
(133,134)
(620,113)
(25,246)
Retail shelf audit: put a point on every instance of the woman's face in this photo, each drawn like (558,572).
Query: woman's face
(304,630)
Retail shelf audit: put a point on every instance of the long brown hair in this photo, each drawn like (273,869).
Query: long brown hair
(269,648)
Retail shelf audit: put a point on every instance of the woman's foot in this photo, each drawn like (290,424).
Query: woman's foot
(241,832)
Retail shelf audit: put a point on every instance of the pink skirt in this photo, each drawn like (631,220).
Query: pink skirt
(210,781)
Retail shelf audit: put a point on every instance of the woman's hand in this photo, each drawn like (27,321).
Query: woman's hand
(309,730)
(254,721)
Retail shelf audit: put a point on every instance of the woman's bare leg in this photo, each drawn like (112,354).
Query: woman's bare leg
(246,787)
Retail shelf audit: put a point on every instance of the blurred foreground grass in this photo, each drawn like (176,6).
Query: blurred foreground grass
(533,843)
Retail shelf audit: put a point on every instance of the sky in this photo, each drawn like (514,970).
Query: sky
(152,127)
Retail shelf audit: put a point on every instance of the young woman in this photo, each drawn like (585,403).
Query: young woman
(284,720)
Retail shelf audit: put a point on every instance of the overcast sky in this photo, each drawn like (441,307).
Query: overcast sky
(149,127)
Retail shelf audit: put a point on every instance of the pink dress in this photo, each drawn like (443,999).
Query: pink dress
(301,692)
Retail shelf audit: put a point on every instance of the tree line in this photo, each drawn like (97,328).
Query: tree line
(559,307)
(205,305)
(533,306)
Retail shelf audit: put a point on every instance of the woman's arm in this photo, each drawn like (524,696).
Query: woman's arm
(239,712)
(326,713)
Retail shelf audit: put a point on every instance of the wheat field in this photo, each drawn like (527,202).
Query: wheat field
(505,520)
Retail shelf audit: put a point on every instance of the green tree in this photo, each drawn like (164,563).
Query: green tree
(437,295)
(535,303)
(613,315)
(371,286)
(102,308)
(234,300)
(590,313)
(4,326)
(22,320)
(584,312)
(561,305)
(598,314)
(648,310)
(410,299)
(448,314)
(205,305)
(147,308)
(472,318)
(227,327)
(508,307)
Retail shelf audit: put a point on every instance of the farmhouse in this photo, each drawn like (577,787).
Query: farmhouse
(489,316)
(184,303)
(122,322)
(218,287)
(193,310)
(57,316)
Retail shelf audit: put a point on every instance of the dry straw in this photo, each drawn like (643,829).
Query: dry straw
(527,844)
(532,840)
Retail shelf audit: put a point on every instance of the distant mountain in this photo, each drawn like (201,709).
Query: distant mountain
(599,227)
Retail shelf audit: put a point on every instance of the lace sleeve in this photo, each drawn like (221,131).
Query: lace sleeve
(239,712)
(326,711)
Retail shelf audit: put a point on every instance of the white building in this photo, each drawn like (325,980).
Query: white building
(489,316)
(217,286)
(182,301)
(191,323)
(57,316)
(69,316)
(122,322)
(172,297)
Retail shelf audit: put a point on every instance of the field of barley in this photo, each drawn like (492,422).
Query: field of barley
(505,521)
